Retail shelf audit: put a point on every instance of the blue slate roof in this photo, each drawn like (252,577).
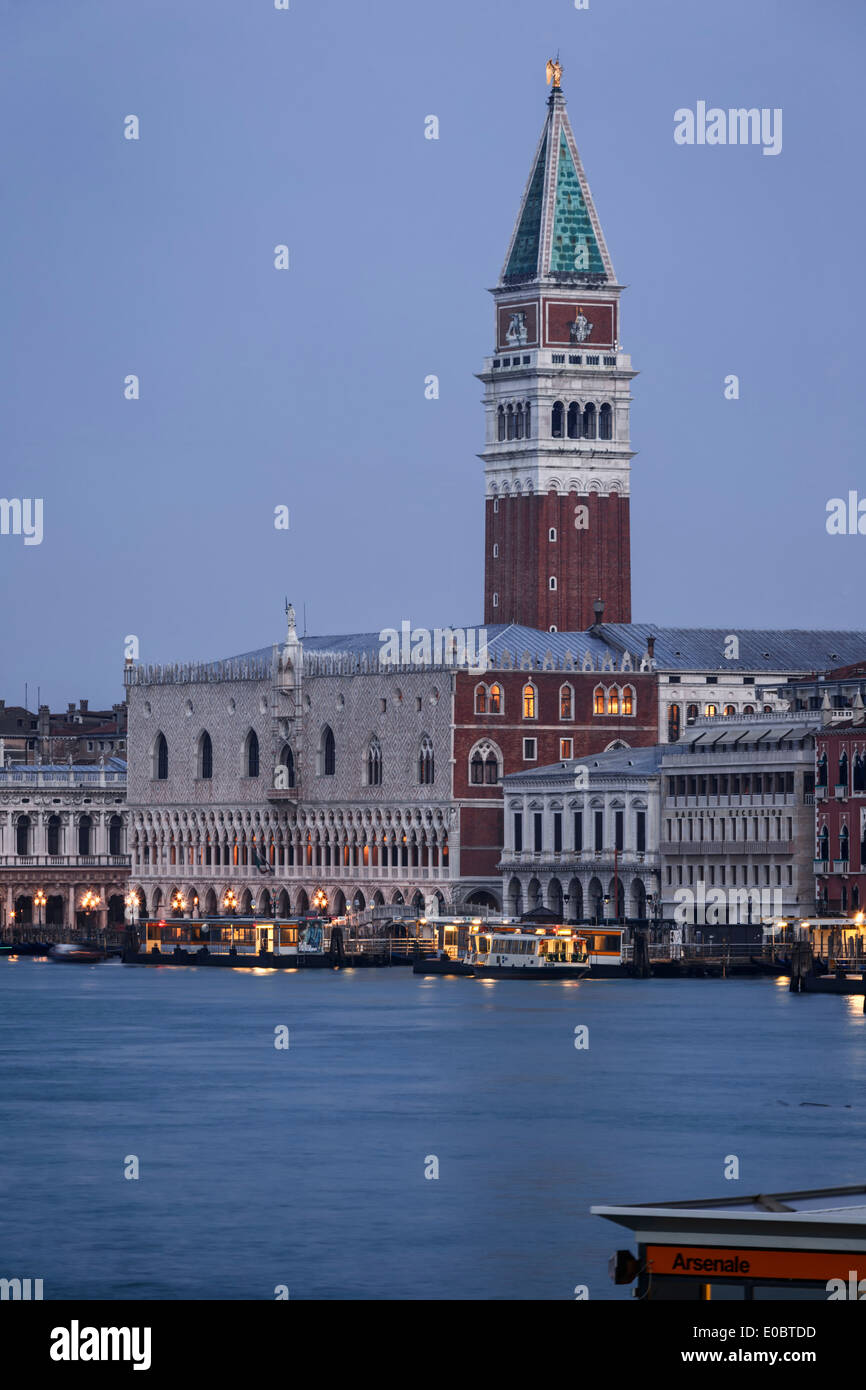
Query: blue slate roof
(777,650)
(640,762)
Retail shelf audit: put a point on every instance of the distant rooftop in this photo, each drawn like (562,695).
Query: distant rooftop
(769,652)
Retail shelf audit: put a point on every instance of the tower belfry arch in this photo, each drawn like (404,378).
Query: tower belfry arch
(557,453)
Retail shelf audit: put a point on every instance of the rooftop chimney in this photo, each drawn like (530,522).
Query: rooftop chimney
(650,647)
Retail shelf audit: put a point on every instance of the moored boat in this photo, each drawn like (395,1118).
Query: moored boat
(77,953)
(519,952)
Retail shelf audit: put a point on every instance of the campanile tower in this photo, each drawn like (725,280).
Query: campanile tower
(557,395)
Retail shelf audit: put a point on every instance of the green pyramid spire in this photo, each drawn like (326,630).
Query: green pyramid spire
(558,235)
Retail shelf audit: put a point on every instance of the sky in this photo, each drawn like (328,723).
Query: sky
(304,388)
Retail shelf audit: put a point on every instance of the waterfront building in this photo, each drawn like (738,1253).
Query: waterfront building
(62,838)
(45,736)
(324,766)
(343,766)
(582,838)
(840,811)
(737,821)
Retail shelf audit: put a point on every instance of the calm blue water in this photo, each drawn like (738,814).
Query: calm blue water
(306,1167)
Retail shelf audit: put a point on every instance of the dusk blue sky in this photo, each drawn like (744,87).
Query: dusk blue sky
(306,387)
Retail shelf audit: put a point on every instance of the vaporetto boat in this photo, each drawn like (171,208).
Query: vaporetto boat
(545,953)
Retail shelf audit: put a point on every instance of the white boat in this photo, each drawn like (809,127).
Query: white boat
(539,953)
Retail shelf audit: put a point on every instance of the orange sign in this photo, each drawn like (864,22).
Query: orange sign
(707,1262)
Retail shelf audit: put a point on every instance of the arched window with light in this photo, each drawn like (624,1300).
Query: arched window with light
(566,702)
(495,699)
(530,701)
(481,699)
(628,700)
(598,700)
(613,700)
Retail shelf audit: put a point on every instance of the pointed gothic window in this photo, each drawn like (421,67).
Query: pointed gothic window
(485,764)
(530,697)
(426,767)
(859,773)
(160,758)
(824,844)
(566,702)
(605,422)
(251,754)
(589,421)
(574,420)
(374,763)
(843,843)
(205,756)
(843,770)
(628,700)
(495,699)
(328,753)
(287,760)
(556,420)
(481,699)
(613,700)
(598,700)
(822,770)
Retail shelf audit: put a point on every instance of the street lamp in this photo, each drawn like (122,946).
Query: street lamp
(40,900)
(178,902)
(133,903)
(320,901)
(90,902)
(230,901)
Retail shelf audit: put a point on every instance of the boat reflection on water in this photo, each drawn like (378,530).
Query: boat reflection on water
(78,953)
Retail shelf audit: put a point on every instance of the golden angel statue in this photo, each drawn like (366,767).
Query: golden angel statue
(554,70)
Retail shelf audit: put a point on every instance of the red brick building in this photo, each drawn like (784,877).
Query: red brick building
(509,721)
(840,817)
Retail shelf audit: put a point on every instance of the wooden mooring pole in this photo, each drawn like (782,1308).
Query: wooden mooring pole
(801,965)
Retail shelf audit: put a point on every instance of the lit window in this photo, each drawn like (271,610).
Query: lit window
(711,711)
(495,701)
(481,699)
(598,701)
(566,748)
(628,700)
(566,702)
(529,702)
(613,700)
